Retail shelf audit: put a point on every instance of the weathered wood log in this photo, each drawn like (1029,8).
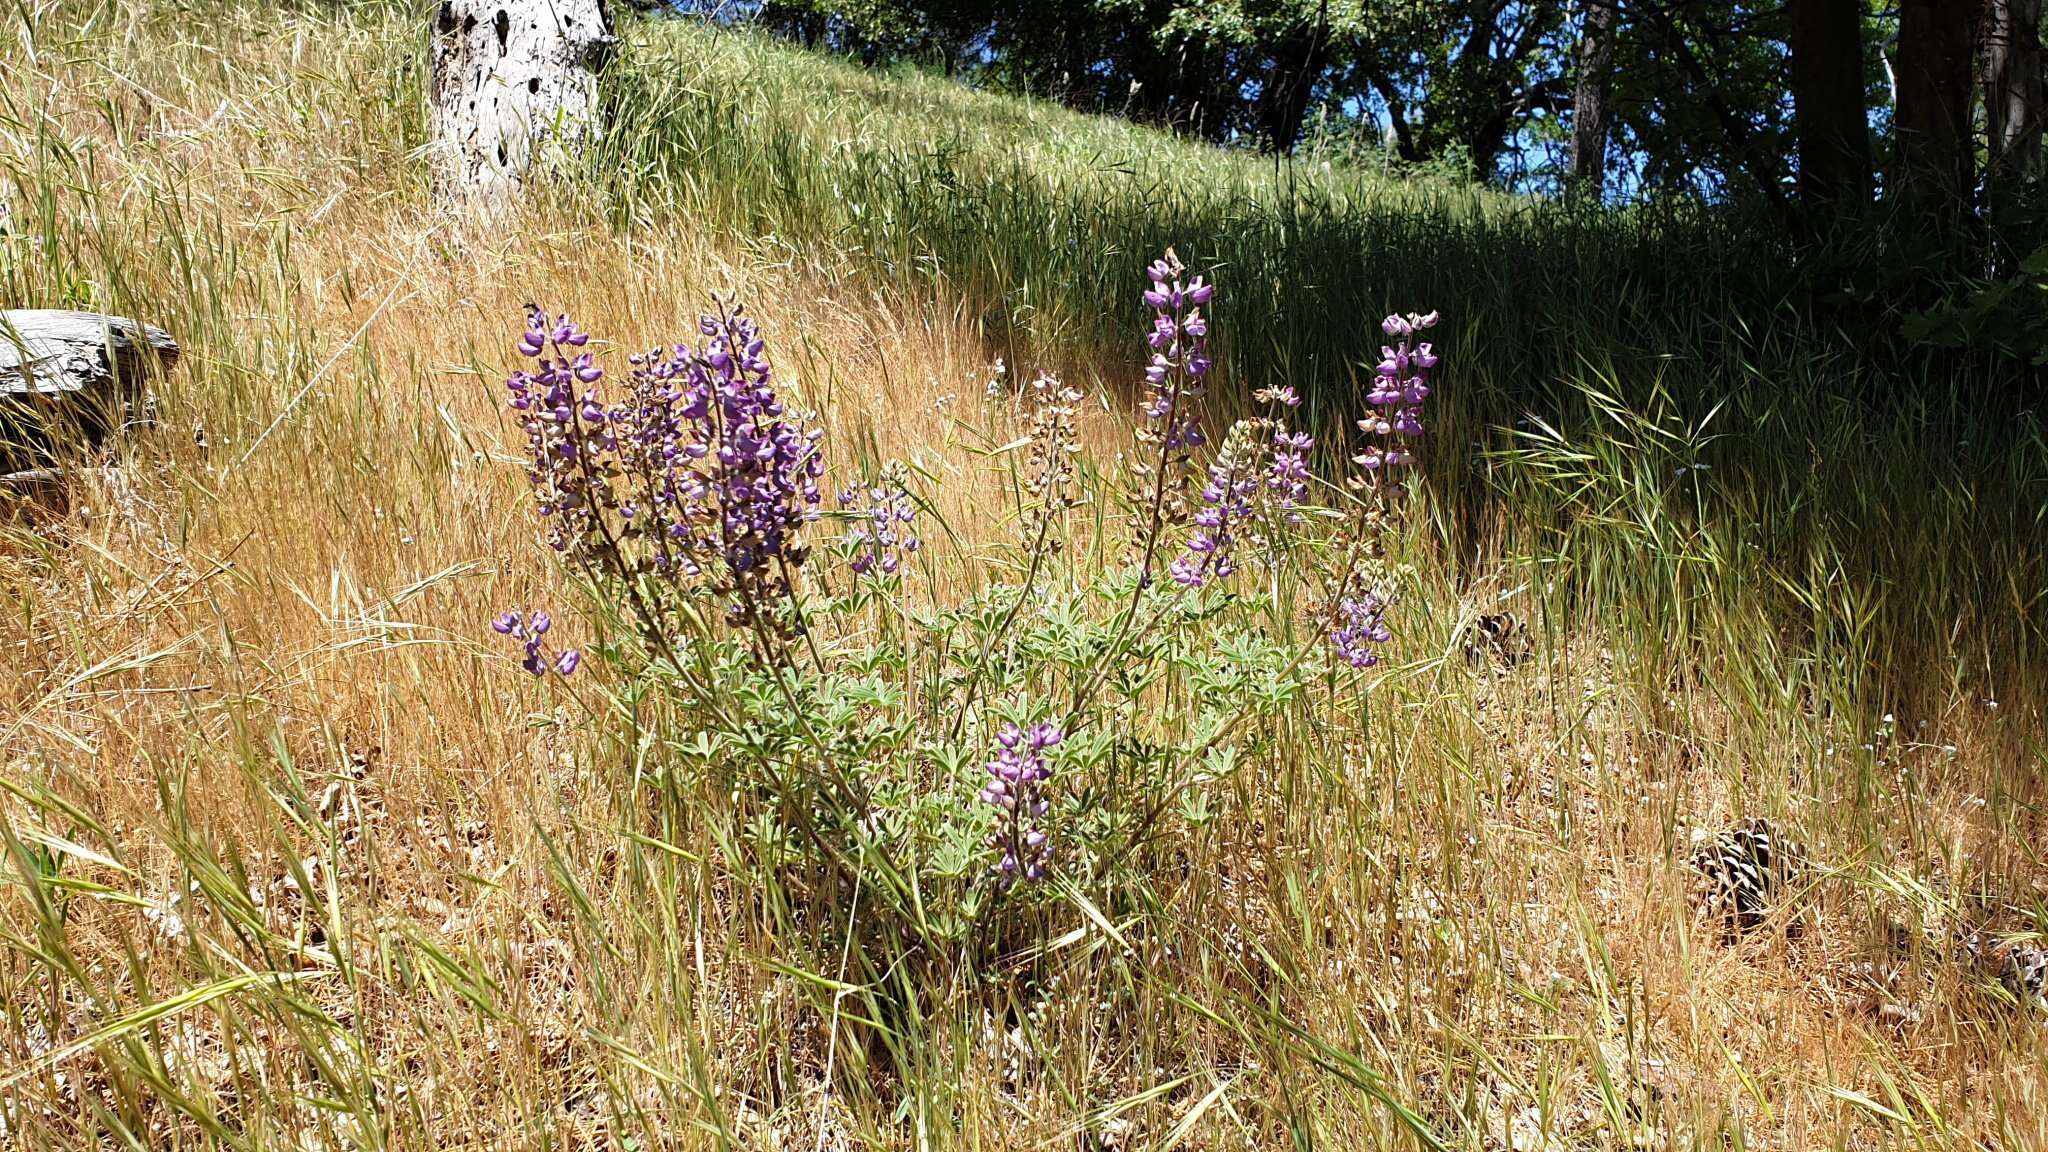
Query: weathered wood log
(71,378)
(511,78)
(37,489)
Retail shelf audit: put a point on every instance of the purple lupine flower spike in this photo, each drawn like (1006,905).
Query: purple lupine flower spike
(1360,628)
(1017,787)
(1400,385)
(1287,474)
(1171,408)
(1357,619)
(695,472)
(1227,503)
(883,532)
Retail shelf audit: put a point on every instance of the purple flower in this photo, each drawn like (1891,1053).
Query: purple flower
(1400,385)
(1360,625)
(1227,502)
(884,522)
(1016,786)
(1287,472)
(696,473)
(528,628)
(1171,407)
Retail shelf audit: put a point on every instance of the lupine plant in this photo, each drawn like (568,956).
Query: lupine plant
(1356,613)
(1019,774)
(933,764)
(1256,485)
(696,476)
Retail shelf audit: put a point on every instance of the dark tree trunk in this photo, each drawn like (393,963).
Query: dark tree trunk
(2012,93)
(1405,144)
(1589,98)
(1495,65)
(1828,115)
(1936,166)
(1297,65)
(1489,140)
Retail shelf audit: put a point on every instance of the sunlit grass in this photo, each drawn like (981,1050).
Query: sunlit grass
(295,858)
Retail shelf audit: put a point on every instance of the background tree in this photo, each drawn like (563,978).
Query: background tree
(1830,120)
(1464,77)
(2013,101)
(1726,101)
(1589,97)
(1279,56)
(1934,161)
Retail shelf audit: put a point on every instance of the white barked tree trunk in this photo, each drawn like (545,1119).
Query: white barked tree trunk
(513,81)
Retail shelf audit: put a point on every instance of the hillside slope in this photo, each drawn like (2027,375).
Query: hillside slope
(296,856)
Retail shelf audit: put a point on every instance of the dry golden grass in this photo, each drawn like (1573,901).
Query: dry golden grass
(253,723)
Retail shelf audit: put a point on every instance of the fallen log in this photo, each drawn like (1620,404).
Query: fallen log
(71,380)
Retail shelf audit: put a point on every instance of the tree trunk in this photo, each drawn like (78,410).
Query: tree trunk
(1936,161)
(2012,93)
(1828,116)
(510,78)
(1589,99)
(1297,66)
(1405,145)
